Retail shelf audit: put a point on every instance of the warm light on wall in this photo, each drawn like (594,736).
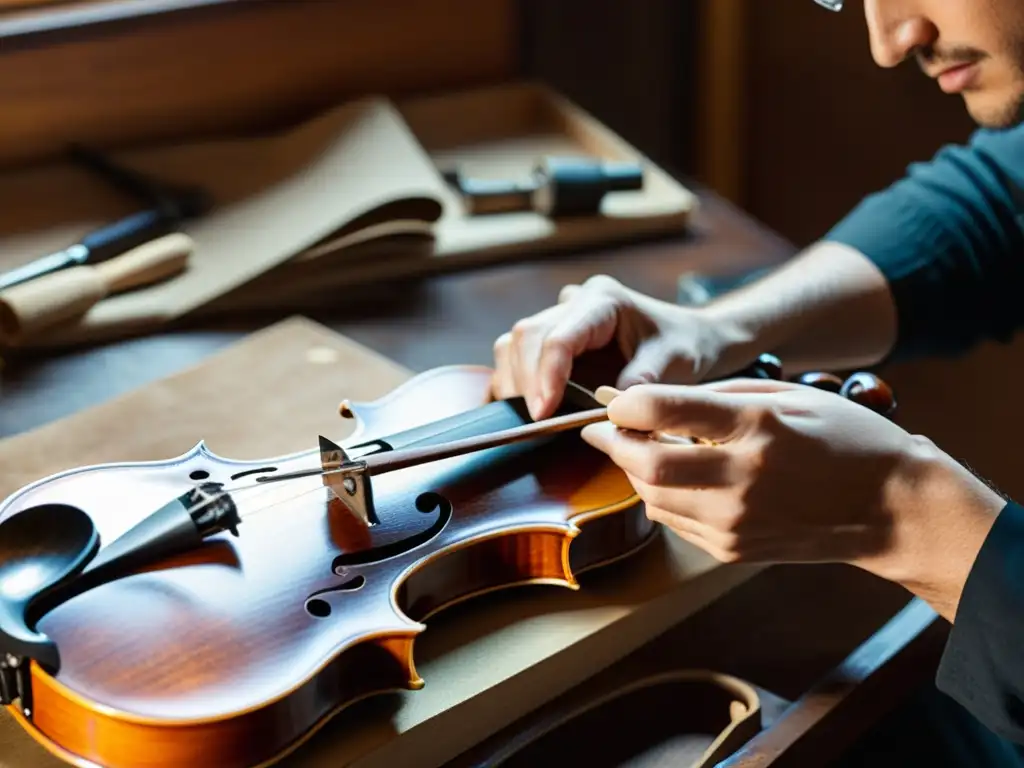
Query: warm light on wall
(17,5)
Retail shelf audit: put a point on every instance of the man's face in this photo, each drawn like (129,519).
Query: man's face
(972,47)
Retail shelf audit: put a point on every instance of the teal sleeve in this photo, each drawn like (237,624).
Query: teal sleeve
(949,238)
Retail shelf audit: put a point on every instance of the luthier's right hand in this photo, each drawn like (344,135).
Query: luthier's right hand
(663,342)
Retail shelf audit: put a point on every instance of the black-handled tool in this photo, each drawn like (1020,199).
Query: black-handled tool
(175,200)
(170,206)
(97,246)
(557,187)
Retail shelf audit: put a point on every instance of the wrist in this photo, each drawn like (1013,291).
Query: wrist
(742,331)
(939,515)
(751,321)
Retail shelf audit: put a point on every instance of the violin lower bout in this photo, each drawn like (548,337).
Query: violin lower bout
(84,735)
(87,735)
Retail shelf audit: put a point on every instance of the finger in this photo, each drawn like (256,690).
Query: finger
(585,324)
(688,410)
(649,364)
(527,336)
(568,292)
(689,532)
(700,510)
(661,464)
(604,394)
(502,381)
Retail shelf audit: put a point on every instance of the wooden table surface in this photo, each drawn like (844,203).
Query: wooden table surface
(782,630)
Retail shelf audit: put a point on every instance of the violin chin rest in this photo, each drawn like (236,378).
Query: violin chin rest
(40,548)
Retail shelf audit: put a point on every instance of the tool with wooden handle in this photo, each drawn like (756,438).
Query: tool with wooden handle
(30,307)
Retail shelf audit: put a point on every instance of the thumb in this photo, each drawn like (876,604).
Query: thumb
(694,411)
(650,363)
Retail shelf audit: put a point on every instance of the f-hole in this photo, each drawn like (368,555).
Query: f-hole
(320,608)
(425,503)
(259,471)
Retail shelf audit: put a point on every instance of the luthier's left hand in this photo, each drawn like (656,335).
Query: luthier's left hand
(799,474)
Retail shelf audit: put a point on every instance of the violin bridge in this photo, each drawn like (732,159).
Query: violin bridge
(351,488)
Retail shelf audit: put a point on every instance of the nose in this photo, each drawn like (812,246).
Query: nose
(896,29)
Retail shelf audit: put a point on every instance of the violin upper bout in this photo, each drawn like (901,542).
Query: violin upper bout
(429,396)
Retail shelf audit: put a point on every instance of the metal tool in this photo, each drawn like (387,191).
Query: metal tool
(99,245)
(556,186)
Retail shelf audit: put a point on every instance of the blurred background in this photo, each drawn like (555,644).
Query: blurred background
(776,105)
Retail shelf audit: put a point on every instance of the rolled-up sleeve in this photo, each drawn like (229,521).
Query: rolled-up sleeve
(949,238)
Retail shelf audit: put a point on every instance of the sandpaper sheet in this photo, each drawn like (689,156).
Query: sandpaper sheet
(487,662)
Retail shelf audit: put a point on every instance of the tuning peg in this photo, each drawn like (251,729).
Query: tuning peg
(767,366)
(870,391)
(820,380)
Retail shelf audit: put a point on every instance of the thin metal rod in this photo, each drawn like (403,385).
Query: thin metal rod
(390,461)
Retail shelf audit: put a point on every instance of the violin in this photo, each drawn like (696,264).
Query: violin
(206,611)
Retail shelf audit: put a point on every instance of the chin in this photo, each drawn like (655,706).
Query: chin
(995,111)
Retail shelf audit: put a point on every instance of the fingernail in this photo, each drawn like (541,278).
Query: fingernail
(536,407)
(588,434)
(605,394)
(596,435)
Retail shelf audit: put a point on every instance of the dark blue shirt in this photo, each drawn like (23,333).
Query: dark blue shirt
(949,238)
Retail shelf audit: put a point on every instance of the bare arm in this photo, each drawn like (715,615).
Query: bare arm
(931,266)
(829,308)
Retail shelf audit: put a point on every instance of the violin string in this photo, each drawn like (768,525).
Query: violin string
(270,481)
(214,498)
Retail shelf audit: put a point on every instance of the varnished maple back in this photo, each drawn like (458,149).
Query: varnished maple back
(239,65)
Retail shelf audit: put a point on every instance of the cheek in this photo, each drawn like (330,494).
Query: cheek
(995,27)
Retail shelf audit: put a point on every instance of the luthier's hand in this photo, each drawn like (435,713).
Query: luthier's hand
(799,474)
(662,342)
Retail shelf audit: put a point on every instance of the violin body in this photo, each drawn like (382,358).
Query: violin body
(203,611)
(233,653)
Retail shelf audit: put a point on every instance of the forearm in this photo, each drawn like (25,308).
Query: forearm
(828,308)
(933,265)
